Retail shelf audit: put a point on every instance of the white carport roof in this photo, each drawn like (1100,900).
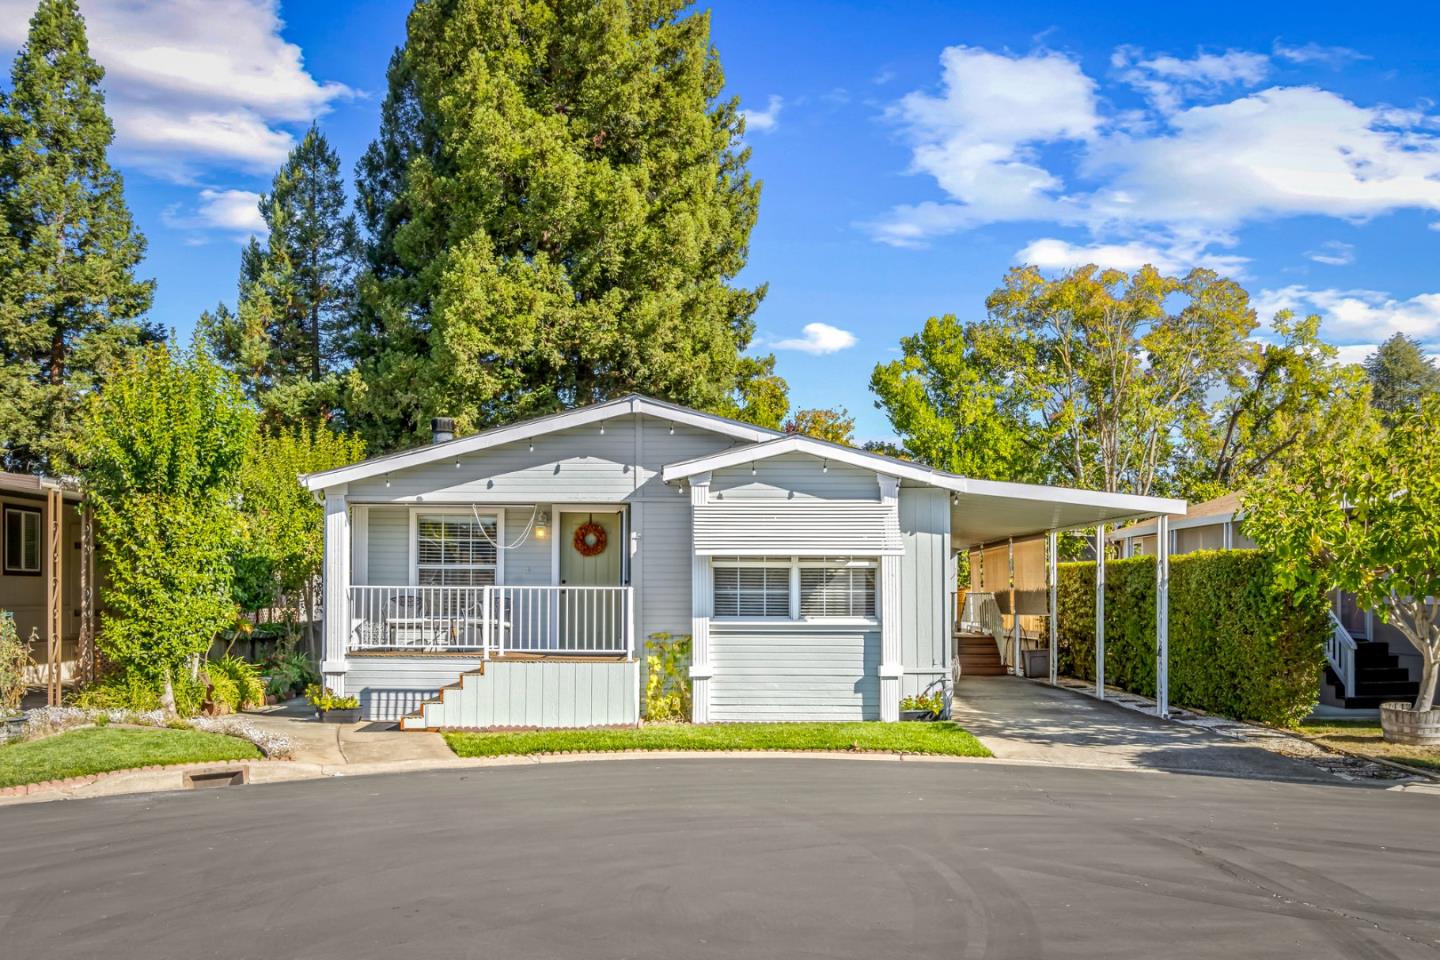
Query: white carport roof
(981,511)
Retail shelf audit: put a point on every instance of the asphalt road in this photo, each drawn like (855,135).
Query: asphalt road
(786,858)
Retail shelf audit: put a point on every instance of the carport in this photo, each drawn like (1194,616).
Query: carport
(1011,531)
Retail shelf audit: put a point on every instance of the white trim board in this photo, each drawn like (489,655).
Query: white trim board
(580,416)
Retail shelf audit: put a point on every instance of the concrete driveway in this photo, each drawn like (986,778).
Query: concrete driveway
(718,858)
(1020,719)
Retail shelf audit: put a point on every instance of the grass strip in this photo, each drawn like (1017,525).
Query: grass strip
(79,753)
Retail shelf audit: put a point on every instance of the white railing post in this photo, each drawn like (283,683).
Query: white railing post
(1100,611)
(1162,616)
(629,598)
(1052,574)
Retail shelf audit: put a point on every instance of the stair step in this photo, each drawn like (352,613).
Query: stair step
(1364,675)
(1372,703)
(1393,689)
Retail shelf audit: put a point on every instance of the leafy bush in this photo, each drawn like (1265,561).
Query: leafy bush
(14,659)
(1239,645)
(324,699)
(931,703)
(240,680)
(290,671)
(667,683)
(132,691)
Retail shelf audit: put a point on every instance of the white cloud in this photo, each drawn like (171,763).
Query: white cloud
(1354,352)
(1317,53)
(1359,316)
(1334,253)
(232,211)
(1022,138)
(195,82)
(764,121)
(1169,257)
(819,338)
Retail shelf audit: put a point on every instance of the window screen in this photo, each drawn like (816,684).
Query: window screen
(455,550)
(837,592)
(753,589)
(22,540)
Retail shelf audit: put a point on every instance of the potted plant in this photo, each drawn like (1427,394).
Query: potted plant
(332,709)
(14,663)
(926,706)
(1361,515)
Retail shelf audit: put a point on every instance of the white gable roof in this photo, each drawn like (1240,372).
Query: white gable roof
(525,429)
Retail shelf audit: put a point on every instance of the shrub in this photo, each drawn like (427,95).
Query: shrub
(240,681)
(931,703)
(14,660)
(1239,646)
(289,672)
(323,699)
(667,682)
(132,691)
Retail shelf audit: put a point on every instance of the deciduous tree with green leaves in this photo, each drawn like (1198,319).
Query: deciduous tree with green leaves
(1365,518)
(286,339)
(558,205)
(161,450)
(824,423)
(70,305)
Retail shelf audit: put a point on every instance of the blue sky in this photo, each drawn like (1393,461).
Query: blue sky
(910,153)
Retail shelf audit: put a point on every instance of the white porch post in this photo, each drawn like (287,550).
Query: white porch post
(892,666)
(701,599)
(336,588)
(1015,665)
(1052,578)
(1100,611)
(1162,617)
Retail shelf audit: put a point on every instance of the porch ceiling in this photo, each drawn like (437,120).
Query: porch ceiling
(977,518)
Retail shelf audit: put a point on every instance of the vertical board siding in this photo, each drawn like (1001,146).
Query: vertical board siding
(924,586)
(794,476)
(794,672)
(389,546)
(665,566)
(507,694)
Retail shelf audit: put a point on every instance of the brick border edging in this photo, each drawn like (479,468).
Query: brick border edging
(84,780)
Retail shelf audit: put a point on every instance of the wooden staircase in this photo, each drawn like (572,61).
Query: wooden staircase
(1379,678)
(977,655)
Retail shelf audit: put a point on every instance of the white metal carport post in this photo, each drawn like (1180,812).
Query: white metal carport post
(1052,570)
(336,588)
(1100,611)
(1162,616)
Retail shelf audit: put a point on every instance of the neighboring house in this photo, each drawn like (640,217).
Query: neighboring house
(53,602)
(1367,661)
(511,578)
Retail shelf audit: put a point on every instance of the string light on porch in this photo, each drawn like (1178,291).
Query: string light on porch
(824,466)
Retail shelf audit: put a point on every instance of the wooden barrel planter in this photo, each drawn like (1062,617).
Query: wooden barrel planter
(1401,724)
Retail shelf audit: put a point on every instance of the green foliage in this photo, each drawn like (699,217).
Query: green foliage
(325,700)
(667,681)
(70,305)
(1240,644)
(133,691)
(833,424)
(1364,518)
(14,661)
(284,342)
(1401,376)
(557,206)
(289,672)
(931,703)
(235,683)
(162,450)
(281,543)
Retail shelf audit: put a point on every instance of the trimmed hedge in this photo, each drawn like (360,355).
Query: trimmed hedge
(1239,647)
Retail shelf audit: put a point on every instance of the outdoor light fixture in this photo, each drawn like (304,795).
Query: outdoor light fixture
(824,466)
(387,481)
(542,525)
(672,429)
(532,446)
(602,429)
(752,469)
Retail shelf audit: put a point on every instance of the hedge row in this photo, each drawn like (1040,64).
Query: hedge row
(1238,646)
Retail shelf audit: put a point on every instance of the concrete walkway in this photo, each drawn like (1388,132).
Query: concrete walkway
(1023,720)
(344,744)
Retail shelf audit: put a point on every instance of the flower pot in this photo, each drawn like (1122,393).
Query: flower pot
(340,716)
(917,715)
(1401,724)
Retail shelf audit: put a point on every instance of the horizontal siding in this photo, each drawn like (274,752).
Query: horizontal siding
(390,687)
(540,694)
(795,476)
(793,673)
(810,528)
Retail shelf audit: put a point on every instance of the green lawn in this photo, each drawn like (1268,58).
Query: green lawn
(100,749)
(1364,737)
(932,738)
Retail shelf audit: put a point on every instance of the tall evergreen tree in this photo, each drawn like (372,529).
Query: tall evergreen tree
(1400,376)
(70,305)
(557,205)
(283,340)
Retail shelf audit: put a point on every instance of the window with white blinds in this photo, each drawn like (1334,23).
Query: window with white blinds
(771,588)
(456,550)
(753,588)
(847,591)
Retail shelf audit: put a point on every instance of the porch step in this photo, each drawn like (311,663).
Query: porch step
(529,691)
(1379,678)
(976,655)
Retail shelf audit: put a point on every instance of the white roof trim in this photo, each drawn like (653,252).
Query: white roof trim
(889,466)
(1147,528)
(563,420)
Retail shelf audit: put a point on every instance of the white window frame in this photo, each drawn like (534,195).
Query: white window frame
(18,568)
(495,513)
(795,564)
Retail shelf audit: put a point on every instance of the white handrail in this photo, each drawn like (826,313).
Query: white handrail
(982,613)
(1340,653)
(493,620)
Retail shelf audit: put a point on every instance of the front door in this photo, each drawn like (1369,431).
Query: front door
(591,546)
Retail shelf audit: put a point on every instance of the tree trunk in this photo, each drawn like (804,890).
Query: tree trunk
(167,696)
(1426,700)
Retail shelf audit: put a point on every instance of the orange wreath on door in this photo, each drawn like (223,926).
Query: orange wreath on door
(589,540)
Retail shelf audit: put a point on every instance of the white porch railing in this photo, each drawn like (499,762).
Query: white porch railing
(493,620)
(982,614)
(1340,652)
